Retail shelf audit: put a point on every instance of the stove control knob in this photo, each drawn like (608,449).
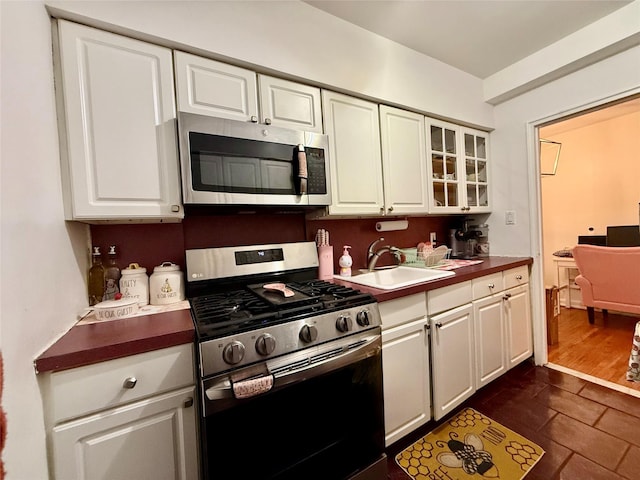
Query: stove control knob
(265,344)
(344,323)
(363,318)
(233,353)
(308,333)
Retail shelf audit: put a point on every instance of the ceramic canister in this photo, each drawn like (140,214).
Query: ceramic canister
(166,284)
(134,283)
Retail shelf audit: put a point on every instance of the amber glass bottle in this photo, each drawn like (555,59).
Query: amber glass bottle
(111,275)
(96,278)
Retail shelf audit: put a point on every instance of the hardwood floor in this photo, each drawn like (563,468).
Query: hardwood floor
(600,350)
(588,432)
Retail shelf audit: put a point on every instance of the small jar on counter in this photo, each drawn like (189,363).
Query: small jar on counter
(166,284)
(134,284)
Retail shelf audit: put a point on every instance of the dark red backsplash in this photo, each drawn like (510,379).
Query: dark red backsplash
(151,244)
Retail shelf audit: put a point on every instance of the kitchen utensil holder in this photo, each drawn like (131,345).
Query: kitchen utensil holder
(325,258)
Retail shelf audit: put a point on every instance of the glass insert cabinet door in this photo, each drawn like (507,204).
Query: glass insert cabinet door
(458,167)
(475,158)
(444,166)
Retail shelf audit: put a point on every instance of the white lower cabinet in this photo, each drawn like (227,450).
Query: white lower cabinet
(517,305)
(405,365)
(452,346)
(130,418)
(405,369)
(152,438)
(439,348)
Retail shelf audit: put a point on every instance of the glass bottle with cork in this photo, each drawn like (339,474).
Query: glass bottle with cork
(95,281)
(111,276)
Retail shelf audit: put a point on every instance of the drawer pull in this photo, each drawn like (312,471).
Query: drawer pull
(491,285)
(129,382)
(507,296)
(518,277)
(188,403)
(438,324)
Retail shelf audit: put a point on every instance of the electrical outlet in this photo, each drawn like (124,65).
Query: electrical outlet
(432,237)
(510,217)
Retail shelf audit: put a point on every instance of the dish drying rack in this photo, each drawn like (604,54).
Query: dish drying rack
(433,258)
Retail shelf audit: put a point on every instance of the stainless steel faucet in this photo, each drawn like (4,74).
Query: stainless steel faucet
(373,253)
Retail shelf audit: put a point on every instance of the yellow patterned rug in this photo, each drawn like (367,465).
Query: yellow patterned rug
(470,446)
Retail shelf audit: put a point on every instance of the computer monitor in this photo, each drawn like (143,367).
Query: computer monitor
(623,236)
(600,240)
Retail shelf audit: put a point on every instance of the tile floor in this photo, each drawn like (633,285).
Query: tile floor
(588,432)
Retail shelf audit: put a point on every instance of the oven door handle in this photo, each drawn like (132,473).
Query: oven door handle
(304,369)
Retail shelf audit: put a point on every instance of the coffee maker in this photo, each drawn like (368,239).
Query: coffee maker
(469,241)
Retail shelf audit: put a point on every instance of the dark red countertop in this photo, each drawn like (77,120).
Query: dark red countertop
(488,266)
(101,341)
(97,342)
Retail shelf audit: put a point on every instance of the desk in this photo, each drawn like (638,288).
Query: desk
(563,275)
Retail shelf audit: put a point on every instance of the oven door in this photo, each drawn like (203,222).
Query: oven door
(230,162)
(322,419)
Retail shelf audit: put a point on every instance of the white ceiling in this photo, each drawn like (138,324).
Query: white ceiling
(479,37)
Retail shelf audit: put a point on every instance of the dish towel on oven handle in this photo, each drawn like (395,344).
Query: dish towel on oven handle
(252,386)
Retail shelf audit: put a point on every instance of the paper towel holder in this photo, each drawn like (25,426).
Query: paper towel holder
(392,225)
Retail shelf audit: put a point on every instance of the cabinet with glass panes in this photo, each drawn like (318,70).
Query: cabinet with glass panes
(458,168)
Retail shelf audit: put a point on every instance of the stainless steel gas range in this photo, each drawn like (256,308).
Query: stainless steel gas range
(290,367)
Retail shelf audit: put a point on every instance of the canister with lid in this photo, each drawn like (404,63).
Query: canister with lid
(134,283)
(166,284)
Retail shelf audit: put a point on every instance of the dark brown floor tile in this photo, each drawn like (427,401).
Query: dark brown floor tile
(518,413)
(621,425)
(612,398)
(555,455)
(580,468)
(561,380)
(630,465)
(593,444)
(574,406)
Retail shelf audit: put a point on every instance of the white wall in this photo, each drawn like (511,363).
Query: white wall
(43,258)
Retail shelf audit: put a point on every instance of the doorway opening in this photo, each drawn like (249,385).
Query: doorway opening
(590,177)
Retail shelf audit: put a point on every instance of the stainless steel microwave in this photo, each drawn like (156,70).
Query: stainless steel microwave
(227,162)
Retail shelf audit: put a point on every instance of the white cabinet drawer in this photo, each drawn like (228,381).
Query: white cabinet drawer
(446,298)
(402,310)
(487,285)
(516,276)
(81,390)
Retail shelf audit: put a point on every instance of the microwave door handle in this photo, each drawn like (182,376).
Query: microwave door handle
(302,169)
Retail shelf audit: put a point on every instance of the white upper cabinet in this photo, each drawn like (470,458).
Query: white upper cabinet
(117,127)
(216,89)
(458,168)
(354,143)
(404,164)
(289,104)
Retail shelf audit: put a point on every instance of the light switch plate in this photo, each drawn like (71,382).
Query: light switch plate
(510,217)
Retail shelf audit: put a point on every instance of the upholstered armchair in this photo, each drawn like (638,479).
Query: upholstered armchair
(609,278)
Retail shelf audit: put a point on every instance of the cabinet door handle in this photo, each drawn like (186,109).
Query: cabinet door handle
(491,285)
(518,277)
(507,296)
(391,209)
(254,119)
(438,324)
(188,402)
(129,382)
(267,121)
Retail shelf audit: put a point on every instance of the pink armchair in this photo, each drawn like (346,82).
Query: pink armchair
(609,278)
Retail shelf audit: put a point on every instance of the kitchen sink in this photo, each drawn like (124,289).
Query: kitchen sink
(397,277)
